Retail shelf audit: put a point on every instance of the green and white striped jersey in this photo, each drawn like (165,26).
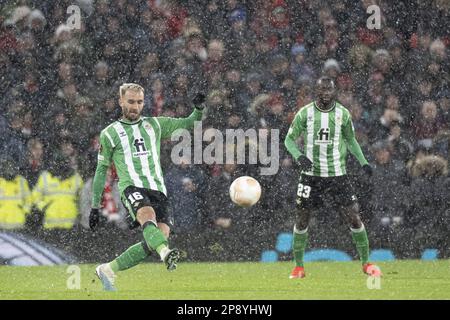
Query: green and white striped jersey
(134,148)
(326,137)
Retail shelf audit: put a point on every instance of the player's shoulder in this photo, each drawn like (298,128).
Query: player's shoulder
(152,120)
(108,128)
(343,108)
(109,133)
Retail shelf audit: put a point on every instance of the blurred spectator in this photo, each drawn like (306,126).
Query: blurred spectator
(98,87)
(82,119)
(386,206)
(428,193)
(186,189)
(300,69)
(374,101)
(14,195)
(381,129)
(179,94)
(35,161)
(278,72)
(215,61)
(401,146)
(331,68)
(239,38)
(56,193)
(427,126)
(13,137)
(221,213)
(156,95)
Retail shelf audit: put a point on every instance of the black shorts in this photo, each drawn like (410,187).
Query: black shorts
(134,198)
(313,191)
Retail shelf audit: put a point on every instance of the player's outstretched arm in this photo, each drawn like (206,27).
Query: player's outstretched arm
(353,145)
(292,147)
(169,125)
(294,132)
(98,184)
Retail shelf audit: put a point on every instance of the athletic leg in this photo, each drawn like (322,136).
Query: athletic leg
(351,216)
(350,212)
(305,200)
(300,235)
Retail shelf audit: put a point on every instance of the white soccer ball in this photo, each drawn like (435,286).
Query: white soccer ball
(245,191)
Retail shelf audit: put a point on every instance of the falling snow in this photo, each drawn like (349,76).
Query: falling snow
(257,62)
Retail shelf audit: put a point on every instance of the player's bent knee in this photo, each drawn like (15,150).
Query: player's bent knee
(302,219)
(146,214)
(353,208)
(354,220)
(303,214)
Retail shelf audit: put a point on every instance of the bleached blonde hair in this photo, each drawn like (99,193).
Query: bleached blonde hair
(129,86)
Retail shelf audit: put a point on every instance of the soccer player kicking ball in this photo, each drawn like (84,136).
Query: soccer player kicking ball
(133,144)
(327,130)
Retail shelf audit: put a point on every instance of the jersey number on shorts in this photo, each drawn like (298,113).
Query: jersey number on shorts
(134,197)
(303,191)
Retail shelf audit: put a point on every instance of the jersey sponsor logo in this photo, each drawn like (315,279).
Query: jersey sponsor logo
(141,154)
(139,144)
(323,136)
(122,134)
(141,150)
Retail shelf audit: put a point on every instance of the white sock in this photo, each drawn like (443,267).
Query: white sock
(300,231)
(163,253)
(108,268)
(358,230)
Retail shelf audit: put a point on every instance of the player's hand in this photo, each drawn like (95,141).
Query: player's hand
(304,163)
(199,100)
(94,218)
(367,170)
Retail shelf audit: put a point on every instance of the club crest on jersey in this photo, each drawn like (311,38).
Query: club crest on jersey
(323,136)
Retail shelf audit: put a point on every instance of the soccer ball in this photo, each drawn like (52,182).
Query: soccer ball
(245,191)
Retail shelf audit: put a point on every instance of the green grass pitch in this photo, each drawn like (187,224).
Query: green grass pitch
(408,279)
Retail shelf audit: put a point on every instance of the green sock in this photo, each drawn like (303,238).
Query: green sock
(131,257)
(362,243)
(154,238)
(300,242)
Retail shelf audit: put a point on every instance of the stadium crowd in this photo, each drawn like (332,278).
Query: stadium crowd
(257,61)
